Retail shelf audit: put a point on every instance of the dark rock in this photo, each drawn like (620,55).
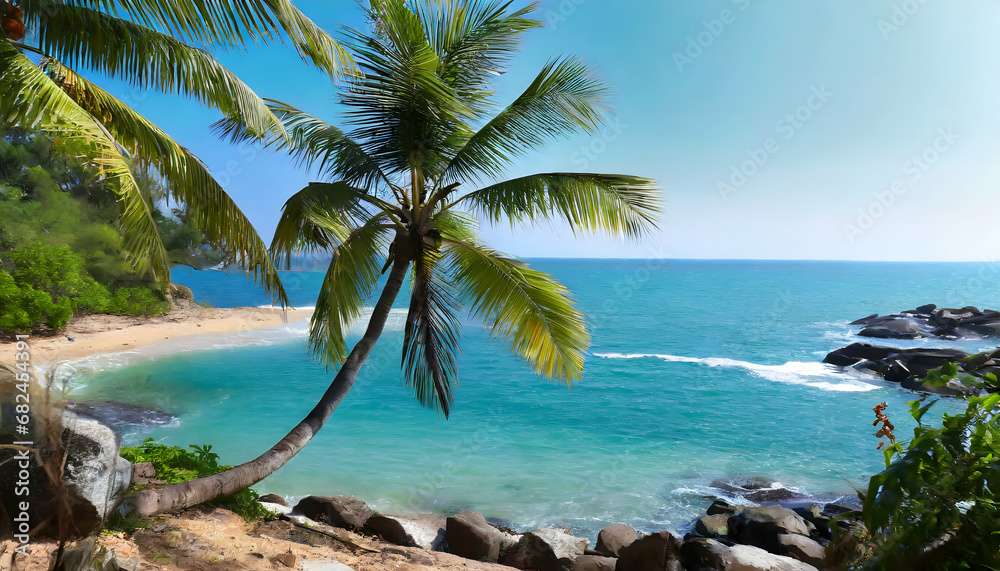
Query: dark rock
(932,321)
(273,499)
(722,507)
(864,320)
(613,538)
(761,525)
(426,531)
(120,416)
(801,548)
(925,309)
(773,495)
(702,554)
(856,353)
(755,489)
(712,525)
(655,552)
(347,512)
(594,563)
(840,508)
(546,550)
(470,536)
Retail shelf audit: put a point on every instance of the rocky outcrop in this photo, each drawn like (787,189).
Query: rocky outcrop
(120,416)
(756,489)
(703,554)
(910,367)
(761,526)
(654,552)
(471,536)
(933,322)
(613,538)
(416,530)
(347,512)
(594,563)
(546,550)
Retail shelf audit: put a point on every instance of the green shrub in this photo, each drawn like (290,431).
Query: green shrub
(24,309)
(136,301)
(174,464)
(935,505)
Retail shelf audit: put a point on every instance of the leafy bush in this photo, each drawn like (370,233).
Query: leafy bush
(136,301)
(23,308)
(174,464)
(935,505)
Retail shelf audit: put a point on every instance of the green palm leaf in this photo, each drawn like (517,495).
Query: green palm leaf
(210,208)
(430,338)
(349,282)
(524,305)
(565,98)
(319,217)
(219,23)
(146,58)
(312,143)
(31,98)
(621,205)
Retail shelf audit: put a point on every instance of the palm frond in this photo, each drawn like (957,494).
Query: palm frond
(30,98)
(349,282)
(565,98)
(430,338)
(621,205)
(209,207)
(524,305)
(474,42)
(146,58)
(400,109)
(220,23)
(312,143)
(319,217)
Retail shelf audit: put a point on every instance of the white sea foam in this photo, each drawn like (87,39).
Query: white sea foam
(810,374)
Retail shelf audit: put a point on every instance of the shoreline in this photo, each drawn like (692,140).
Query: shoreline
(100,335)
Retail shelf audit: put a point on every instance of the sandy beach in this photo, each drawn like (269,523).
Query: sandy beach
(99,334)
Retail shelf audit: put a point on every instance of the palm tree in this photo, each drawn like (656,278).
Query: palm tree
(396,202)
(146,44)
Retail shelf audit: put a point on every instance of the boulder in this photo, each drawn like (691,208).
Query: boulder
(93,472)
(613,538)
(655,552)
(760,526)
(801,548)
(546,550)
(708,554)
(932,321)
(594,563)
(120,416)
(722,507)
(426,531)
(346,512)
(712,525)
(273,499)
(470,536)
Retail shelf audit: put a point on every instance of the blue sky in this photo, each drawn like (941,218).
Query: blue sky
(807,129)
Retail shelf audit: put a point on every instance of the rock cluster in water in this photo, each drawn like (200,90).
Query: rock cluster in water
(910,367)
(934,322)
(727,537)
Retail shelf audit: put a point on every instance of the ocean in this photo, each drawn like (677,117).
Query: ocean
(699,370)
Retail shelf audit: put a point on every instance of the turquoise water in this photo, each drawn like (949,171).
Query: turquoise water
(699,370)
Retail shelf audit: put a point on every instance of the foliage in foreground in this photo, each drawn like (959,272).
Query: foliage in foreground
(174,464)
(935,505)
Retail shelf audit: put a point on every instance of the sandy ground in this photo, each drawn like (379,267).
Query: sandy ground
(204,539)
(99,334)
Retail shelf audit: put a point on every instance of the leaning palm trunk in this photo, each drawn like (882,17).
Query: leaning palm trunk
(186,494)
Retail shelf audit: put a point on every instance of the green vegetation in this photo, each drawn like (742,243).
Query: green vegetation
(61,252)
(935,506)
(174,464)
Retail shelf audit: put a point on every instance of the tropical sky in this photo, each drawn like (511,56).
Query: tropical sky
(809,129)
